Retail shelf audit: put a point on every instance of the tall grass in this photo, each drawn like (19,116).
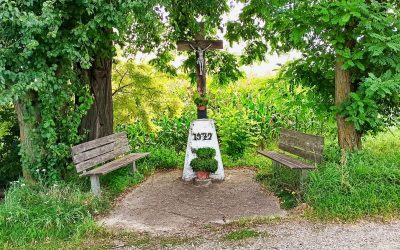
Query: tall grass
(367,186)
(32,214)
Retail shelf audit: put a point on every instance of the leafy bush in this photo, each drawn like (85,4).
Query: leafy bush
(29,214)
(205,160)
(207,165)
(235,131)
(205,153)
(172,132)
(249,159)
(376,104)
(164,158)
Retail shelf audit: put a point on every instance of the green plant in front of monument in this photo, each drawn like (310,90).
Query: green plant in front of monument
(200,100)
(205,163)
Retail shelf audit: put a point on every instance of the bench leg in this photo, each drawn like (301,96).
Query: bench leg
(95,184)
(133,168)
(303,176)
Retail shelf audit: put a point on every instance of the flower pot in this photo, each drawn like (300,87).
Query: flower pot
(202,107)
(202,175)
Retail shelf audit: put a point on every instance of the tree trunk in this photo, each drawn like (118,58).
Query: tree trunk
(349,138)
(98,121)
(28,118)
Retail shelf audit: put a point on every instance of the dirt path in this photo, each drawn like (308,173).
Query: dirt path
(166,204)
(171,214)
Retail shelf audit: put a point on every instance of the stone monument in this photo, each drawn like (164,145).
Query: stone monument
(202,131)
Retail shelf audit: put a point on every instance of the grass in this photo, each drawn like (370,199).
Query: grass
(36,213)
(241,234)
(249,159)
(62,216)
(284,182)
(252,221)
(367,186)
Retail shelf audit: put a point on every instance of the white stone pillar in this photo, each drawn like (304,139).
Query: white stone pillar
(202,134)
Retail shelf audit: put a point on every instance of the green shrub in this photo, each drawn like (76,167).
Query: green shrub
(205,153)
(30,214)
(207,165)
(235,131)
(172,132)
(164,158)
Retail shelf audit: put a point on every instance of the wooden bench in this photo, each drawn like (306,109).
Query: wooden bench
(309,147)
(112,151)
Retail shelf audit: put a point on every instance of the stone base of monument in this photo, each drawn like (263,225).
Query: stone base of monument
(202,134)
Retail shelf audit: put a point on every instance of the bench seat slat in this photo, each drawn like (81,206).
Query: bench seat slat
(97,143)
(315,157)
(101,158)
(306,140)
(95,152)
(111,166)
(286,160)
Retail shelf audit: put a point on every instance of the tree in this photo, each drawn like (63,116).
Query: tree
(49,53)
(56,61)
(355,39)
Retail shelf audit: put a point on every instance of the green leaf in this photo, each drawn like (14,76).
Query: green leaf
(344,19)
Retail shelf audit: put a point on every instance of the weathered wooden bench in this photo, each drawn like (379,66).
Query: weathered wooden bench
(306,146)
(111,151)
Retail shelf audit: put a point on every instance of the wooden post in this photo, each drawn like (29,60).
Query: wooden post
(95,184)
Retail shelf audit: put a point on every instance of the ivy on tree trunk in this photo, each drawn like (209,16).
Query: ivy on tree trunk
(28,107)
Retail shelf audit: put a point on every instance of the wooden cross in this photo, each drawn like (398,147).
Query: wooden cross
(200,45)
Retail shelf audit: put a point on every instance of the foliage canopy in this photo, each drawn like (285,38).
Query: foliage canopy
(360,33)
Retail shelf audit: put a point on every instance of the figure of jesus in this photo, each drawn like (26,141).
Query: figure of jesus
(200,57)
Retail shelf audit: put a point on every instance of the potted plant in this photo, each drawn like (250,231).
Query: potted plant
(205,163)
(200,100)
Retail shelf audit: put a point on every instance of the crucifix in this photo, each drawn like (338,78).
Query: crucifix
(200,46)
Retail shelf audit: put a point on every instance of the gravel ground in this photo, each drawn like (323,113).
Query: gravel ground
(306,235)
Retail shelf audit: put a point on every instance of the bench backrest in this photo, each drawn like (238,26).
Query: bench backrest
(89,154)
(307,146)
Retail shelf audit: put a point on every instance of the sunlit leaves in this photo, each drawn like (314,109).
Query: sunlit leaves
(363,34)
(140,93)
